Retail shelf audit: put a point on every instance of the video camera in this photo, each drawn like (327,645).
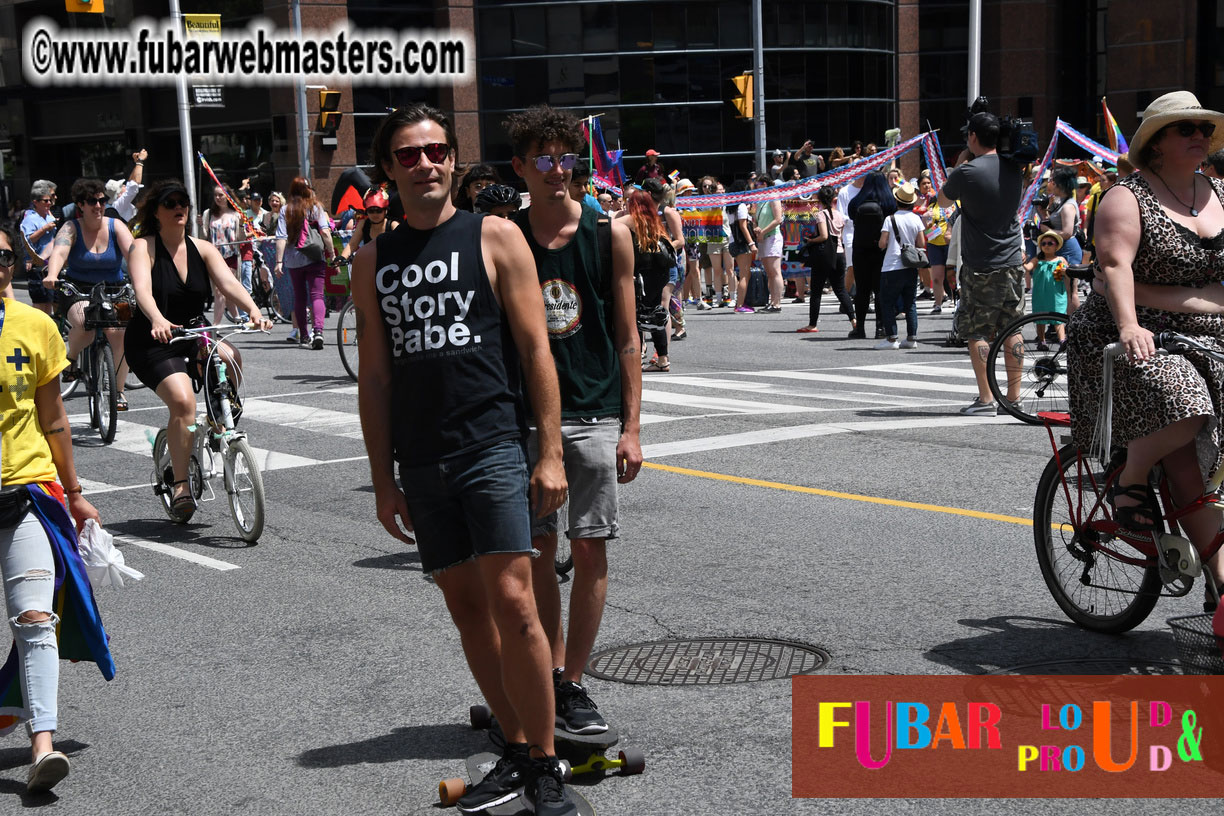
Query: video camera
(1017,138)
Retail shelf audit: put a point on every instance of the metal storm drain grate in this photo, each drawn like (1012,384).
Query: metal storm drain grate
(706,662)
(1096,665)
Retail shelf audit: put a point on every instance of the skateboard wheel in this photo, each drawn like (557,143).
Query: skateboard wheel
(481,717)
(567,770)
(449,790)
(634,761)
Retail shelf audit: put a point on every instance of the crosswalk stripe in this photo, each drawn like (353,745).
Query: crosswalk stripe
(130,434)
(920,369)
(303,417)
(716,403)
(820,376)
(186,555)
(857,397)
(762,437)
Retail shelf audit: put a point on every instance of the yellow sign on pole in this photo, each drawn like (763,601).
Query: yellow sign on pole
(85,6)
(202,25)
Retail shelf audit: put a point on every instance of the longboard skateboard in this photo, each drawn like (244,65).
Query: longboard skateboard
(478,765)
(586,753)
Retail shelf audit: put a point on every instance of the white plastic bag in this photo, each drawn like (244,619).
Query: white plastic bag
(103,561)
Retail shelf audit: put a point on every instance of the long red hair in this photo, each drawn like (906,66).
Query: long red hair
(301,201)
(648,228)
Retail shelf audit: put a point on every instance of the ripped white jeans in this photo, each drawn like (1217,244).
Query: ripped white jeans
(28,570)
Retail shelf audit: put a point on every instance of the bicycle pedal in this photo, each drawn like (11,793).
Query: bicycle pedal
(1179,556)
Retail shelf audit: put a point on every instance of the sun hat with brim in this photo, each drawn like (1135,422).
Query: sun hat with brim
(684,187)
(1050,234)
(905,193)
(1174,107)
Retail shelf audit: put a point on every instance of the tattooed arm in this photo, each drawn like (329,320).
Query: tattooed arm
(54,423)
(59,253)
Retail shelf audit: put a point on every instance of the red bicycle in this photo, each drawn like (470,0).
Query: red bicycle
(1104,577)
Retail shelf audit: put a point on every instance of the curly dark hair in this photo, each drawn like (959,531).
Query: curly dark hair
(146,217)
(541,124)
(84,188)
(380,148)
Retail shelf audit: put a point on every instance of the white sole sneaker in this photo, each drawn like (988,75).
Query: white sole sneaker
(886,344)
(46,772)
(909,344)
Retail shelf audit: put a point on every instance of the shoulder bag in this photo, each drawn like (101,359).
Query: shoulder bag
(912,257)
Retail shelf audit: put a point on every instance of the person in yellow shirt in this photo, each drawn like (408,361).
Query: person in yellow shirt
(35,449)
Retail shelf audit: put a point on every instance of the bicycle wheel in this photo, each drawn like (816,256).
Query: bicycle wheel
(163,476)
(1097,590)
(1043,371)
(244,486)
(346,338)
(105,392)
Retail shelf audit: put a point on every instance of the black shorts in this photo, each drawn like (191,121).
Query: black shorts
(38,292)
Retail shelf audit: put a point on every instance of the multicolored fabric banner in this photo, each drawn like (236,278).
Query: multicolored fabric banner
(703,226)
(798,222)
(935,160)
(1117,142)
(1095,148)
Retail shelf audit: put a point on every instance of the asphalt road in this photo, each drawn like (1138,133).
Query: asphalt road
(318,672)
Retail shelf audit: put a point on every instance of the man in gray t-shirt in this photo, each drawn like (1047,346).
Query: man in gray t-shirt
(988,188)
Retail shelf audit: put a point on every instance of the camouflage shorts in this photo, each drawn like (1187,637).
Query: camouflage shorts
(990,299)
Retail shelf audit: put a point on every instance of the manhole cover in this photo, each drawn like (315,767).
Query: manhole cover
(706,662)
(1095,665)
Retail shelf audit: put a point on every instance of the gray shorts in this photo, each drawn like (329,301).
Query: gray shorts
(589,448)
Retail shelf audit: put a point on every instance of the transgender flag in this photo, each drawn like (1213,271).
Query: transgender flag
(1117,142)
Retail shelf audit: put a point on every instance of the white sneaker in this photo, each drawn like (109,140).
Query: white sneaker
(886,344)
(46,771)
(909,342)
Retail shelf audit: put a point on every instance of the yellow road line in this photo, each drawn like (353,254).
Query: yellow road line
(834,494)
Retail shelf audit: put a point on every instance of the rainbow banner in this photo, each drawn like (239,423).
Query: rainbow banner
(798,222)
(702,226)
(1117,142)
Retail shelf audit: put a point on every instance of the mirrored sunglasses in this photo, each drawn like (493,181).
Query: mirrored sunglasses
(411,156)
(546,162)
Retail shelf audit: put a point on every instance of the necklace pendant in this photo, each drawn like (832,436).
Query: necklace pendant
(1193,213)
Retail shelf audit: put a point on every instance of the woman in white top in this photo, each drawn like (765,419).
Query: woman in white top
(898,283)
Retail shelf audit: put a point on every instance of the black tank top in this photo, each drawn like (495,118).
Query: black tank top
(454,365)
(179,302)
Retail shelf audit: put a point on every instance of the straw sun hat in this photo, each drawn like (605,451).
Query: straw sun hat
(1174,107)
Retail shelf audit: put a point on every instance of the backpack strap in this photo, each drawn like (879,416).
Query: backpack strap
(603,235)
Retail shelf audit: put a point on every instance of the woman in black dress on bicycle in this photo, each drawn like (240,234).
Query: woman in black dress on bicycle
(171,274)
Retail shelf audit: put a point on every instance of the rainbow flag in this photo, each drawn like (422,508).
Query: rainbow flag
(1117,142)
(932,232)
(674,176)
(702,226)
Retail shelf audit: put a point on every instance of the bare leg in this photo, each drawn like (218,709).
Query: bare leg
(1014,361)
(773,275)
(548,594)
(744,262)
(979,350)
(175,391)
(1143,453)
(587,600)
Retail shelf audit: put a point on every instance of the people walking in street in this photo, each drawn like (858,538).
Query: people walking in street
(38,226)
(653,260)
(825,256)
(221,224)
(439,396)
(94,249)
(768,217)
(39,521)
(173,274)
(899,283)
(305,260)
(1053,288)
(585,266)
(867,210)
(991,278)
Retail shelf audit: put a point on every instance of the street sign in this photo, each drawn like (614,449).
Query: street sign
(207,96)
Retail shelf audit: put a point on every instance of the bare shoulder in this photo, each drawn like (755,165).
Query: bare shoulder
(1118,204)
(205,248)
(66,233)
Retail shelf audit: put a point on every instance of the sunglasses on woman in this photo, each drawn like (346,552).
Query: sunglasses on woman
(100,201)
(411,156)
(1187,128)
(1049,243)
(175,202)
(7,258)
(546,162)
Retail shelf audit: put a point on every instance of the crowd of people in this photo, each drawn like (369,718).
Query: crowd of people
(525,325)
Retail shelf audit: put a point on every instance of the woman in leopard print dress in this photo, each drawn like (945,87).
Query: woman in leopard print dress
(1160,244)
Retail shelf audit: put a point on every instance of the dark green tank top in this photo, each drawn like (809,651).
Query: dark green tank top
(578,304)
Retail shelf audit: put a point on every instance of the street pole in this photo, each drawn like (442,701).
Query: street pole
(975,50)
(184,117)
(303,125)
(758,82)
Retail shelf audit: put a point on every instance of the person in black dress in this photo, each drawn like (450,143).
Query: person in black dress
(171,274)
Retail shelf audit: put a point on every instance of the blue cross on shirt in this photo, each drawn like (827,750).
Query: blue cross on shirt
(17,358)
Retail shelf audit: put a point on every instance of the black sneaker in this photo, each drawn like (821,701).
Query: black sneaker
(316,341)
(576,713)
(503,783)
(545,790)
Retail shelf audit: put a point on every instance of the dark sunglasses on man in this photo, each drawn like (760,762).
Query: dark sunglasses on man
(410,156)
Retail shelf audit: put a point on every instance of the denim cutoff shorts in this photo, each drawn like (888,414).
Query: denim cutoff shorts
(468,505)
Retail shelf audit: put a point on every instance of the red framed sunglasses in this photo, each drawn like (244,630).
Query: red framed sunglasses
(411,156)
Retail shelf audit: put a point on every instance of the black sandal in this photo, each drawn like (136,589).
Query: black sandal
(1146,507)
(185,505)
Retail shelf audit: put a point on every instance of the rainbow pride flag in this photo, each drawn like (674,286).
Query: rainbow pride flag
(1117,142)
(702,226)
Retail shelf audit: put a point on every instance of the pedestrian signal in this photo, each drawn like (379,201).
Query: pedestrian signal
(329,112)
(743,102)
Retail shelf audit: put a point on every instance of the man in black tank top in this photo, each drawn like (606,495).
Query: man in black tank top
(585,268)
(448,310)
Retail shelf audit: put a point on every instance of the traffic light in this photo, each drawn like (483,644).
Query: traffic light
(329,112)
(743,102)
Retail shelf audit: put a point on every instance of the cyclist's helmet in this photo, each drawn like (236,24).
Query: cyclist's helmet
(376,197)
(497,195)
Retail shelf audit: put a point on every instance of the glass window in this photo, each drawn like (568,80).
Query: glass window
(497,84)
(792,77)
(598,28)
(705,129)
(837,24)
(494,27)
(602,80)
(637,134)
(564,22)
(705,76)
(702,26)
(815,24)
(671,79)
(529,31)
(734,25)
(565,81)
(789,25)
(668,25)
(671,130)
(636,32)
(838,79)
(637,79)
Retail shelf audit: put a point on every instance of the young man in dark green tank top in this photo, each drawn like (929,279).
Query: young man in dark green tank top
(585,267)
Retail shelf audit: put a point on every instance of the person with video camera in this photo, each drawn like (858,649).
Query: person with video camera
(988,186)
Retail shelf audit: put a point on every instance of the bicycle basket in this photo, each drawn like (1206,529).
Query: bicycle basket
(1200,649)
(108,310)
